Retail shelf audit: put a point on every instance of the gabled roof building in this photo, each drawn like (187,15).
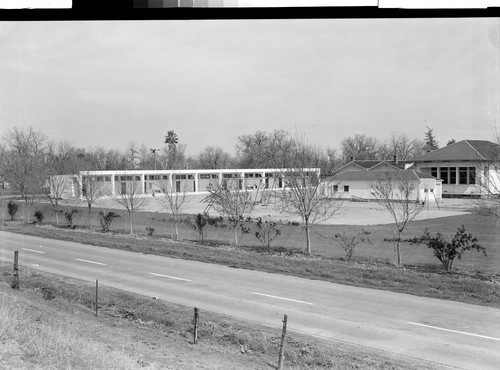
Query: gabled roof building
(467,168)
(354,180)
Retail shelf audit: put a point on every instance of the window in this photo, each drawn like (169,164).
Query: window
(346,188)
(191,177)
(462,175)
(180,177)
(107,178)
(204,177)
(434,171)
(472,175)
(335,188)
(453,175)
(165,177)
(137,178)
(444,174)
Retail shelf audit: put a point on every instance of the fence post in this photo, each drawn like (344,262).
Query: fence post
(281,360)
(195,331)
(96,295)
(15,283)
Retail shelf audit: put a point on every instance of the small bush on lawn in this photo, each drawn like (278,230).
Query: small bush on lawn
(106,220)
(39,216)
(69,217)
(447,250)
(150,230)
(12,208)
(350,242)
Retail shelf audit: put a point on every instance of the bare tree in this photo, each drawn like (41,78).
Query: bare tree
(132,155)
(397,193)
(360,146)
(214,157)
(303,195)
(24,162)
(172,201)
(131,199)
(402,146)
(57,186)
(92,191)
(231,202)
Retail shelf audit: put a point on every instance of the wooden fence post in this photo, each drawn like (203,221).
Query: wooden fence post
(195,331)
(281,360)
(15,283)
(96,295)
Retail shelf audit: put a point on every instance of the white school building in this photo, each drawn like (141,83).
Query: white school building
(150,182)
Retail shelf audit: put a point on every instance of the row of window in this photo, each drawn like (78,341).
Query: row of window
(466,175)
(165,177)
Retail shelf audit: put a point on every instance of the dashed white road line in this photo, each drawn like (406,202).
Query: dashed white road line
(454,331)
(33,250)
(95,263)
(170,277)
(286,299)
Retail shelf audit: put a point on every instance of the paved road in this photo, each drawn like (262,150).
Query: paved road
(451,333)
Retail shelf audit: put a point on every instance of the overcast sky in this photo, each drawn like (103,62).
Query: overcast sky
(108,83)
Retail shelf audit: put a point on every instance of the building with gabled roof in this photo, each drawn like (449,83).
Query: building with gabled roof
(373,164)
(467,168)
(354,180)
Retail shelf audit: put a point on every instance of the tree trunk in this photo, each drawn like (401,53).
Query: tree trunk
(130,222)
(90,217)
(235,236)
(176,230)
(57,218)
(308,239)
(398,248)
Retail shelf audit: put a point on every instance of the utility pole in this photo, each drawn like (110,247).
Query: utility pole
(154,155)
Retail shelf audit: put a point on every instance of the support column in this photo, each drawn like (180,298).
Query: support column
(220,178)
(143,183)
(113,184)
(196,179)
(170,180)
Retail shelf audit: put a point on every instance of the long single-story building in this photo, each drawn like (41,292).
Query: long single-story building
(150,182)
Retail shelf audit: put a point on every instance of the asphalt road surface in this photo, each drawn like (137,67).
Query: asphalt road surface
(443,332)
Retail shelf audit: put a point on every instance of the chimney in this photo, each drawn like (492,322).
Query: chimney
(352,158)
(396,158)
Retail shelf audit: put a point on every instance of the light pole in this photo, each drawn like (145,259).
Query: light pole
(154,155)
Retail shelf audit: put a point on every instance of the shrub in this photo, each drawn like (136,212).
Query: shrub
(12,208)
(39,216)
(446,251)
(201,220)
(150,230)
(106,220)
(265,231)
(69,217)
(350,242)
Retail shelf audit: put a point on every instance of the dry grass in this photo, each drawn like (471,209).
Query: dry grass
(42,340)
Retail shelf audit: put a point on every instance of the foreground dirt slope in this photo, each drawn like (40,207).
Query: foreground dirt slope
(147,347)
